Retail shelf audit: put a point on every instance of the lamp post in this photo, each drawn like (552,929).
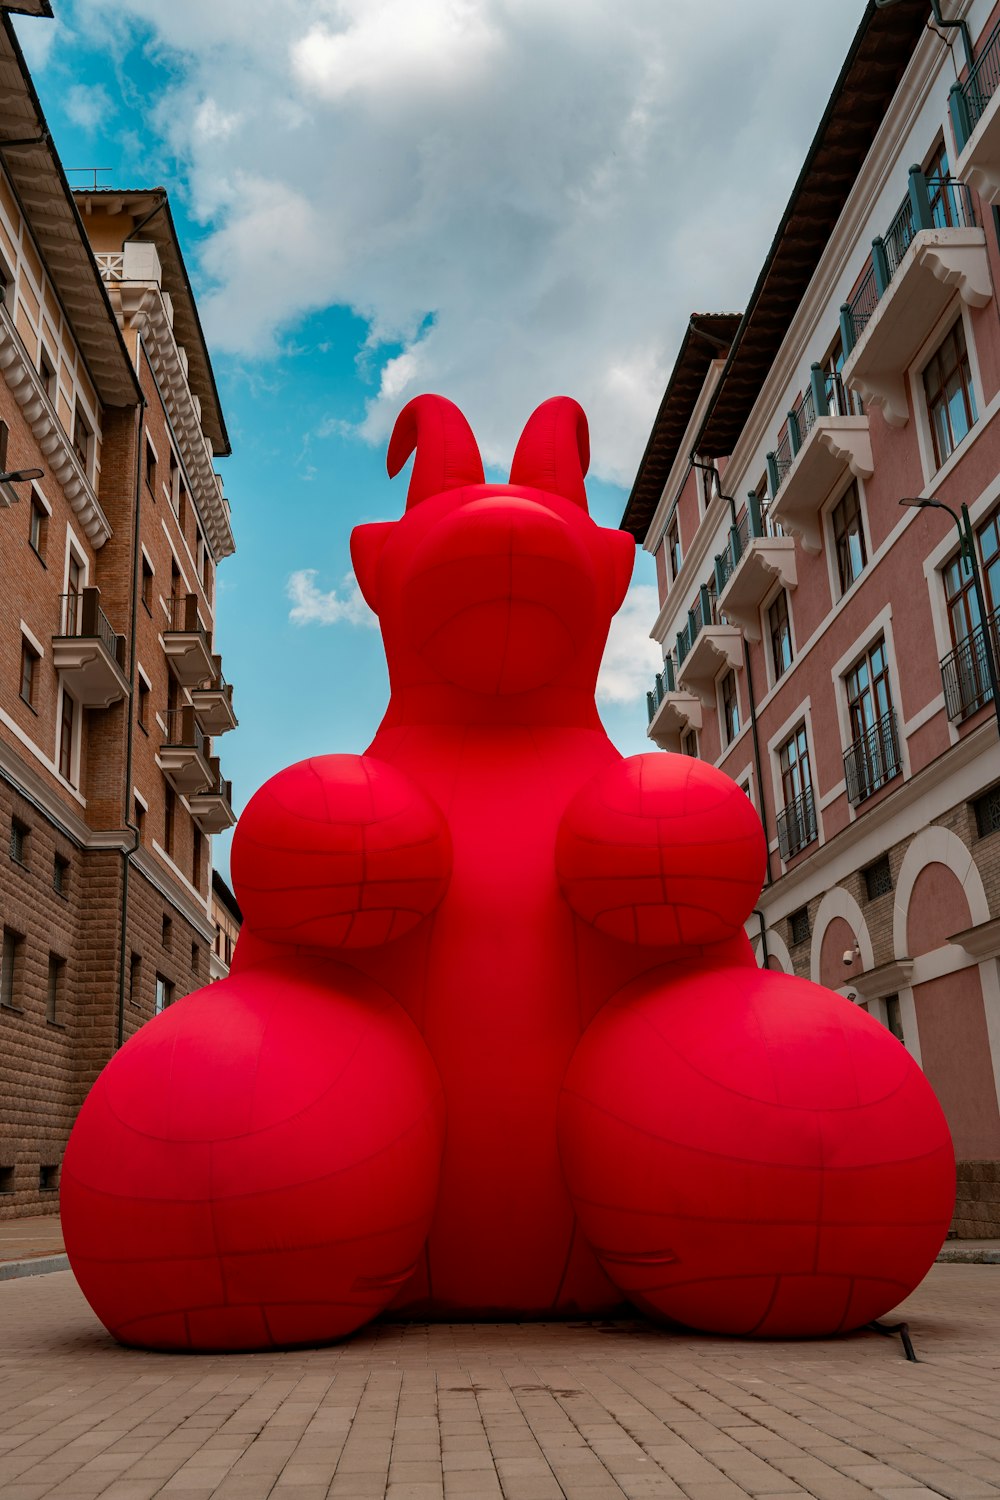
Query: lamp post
(967,542)
(20,476)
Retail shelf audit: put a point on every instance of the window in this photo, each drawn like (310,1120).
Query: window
(989,552)
(29,672)
(82,434)
(745,789)
(142,704)
(47,370)
(38,527)
(182,506)
(167,931)
(6,1179)
(798,925)
(893,1017)
(873,756)
(67,734)
(780,630)
(139,819)
(74,584)
(146,586)
(878,878)
(205,565)
(797,819)
(164,994)
(19,841)
(54,994)
(151,468)
(169,818)
(10,964)
(48,1178)
(849,538)
(174,480)
(60,875)
(195,958)
(841,401)
(689,743)
(135,979)
(196,858)
(945,212)
(730,707)
(674,547)
(4,432)
(951,401)
(987,811)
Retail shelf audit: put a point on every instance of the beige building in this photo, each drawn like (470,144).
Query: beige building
(111,688)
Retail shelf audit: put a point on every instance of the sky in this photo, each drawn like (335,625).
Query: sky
(500,200)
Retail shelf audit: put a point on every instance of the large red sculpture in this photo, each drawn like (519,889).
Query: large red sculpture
(494,1043)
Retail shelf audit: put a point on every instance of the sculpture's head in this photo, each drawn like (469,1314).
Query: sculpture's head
(494,589)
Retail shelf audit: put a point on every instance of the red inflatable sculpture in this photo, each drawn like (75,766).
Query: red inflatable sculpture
(494,1044)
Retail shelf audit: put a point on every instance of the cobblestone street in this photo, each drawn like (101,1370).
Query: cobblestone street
(530,1412)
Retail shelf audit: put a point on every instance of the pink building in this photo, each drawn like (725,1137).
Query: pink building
(823,644)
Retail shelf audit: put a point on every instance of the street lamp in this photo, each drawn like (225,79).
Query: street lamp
(21,476)
(967,542)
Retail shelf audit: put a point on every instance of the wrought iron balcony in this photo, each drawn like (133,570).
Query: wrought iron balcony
(830,440)
(755,555)
(670,710)
(965,672)
(797,824)
(212,809)
(707,643)
(213,704)
(975,114)
(932,246)
(187,643)
(87,653)
(183,757)
(873,759)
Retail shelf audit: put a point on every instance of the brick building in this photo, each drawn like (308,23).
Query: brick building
(227,920)
(823,644)
(111,691)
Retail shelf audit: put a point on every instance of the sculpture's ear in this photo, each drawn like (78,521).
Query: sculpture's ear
(622,563)
(366,549)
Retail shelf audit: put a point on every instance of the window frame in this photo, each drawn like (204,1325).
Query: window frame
(964,368)
(840,550)
(729,708)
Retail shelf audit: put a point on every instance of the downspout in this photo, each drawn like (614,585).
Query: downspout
(961,26)
(765,955)
(711,469)
(132,827)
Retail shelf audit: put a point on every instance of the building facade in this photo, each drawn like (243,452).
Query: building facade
(824,644)
(111,690)
(227,920)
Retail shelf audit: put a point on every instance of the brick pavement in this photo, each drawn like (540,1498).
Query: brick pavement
(529,1412)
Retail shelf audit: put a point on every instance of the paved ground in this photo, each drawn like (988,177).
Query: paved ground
(530,1412)
(28,1239)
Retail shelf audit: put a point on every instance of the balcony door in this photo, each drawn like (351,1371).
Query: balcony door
(873,757)
(797,820)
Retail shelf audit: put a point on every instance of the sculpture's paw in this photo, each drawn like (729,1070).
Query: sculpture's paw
(750,1154)
(341,851)
(257,1167)
(662,850)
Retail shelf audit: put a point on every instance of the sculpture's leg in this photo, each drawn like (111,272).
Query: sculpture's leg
(750,1154)
(257,1167)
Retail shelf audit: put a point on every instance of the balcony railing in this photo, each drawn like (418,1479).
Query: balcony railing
(80,614)
(753,524)
(965,672)
(797,824)
(931,203)
(873,759)
(703,612)
(182,614)
(969,99)
(183,730)
(663,683)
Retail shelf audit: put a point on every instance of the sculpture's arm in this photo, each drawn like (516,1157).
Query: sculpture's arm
(341,851)
(661,850)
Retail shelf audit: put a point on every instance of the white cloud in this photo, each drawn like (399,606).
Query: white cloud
(521,197)
(88,105)
(312,605)
(630,657)
(37,36)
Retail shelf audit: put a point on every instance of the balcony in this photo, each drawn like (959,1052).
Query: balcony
(87,654)
(705,646)
(183,757)
(829,442)
(670,712)
(213,704)
(745,571)
(965,672)
(797,824)
(932,248)
(975,114)
(212,809)
(873,759)
(187,644)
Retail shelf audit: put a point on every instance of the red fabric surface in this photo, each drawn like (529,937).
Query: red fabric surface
(494,1044)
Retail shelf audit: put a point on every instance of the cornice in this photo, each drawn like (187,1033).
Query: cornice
(143,307)
(26,386)
(887,979)
(980,942)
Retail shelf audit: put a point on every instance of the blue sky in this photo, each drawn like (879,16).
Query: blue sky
(498,199)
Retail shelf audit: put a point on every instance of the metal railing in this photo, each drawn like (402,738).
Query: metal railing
(804,413)
(797,824)
(753,524)
(663,683)
(80,614)
(783,457)
(182,729)
(873,759)
(218,786)
(951,203)
(965,673)
(703,612)
(863,304)
(899,236)
(182,615)
(978,89)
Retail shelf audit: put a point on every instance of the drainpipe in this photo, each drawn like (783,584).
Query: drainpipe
(763,936)
(130,739)
(711,469)
(961,26)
